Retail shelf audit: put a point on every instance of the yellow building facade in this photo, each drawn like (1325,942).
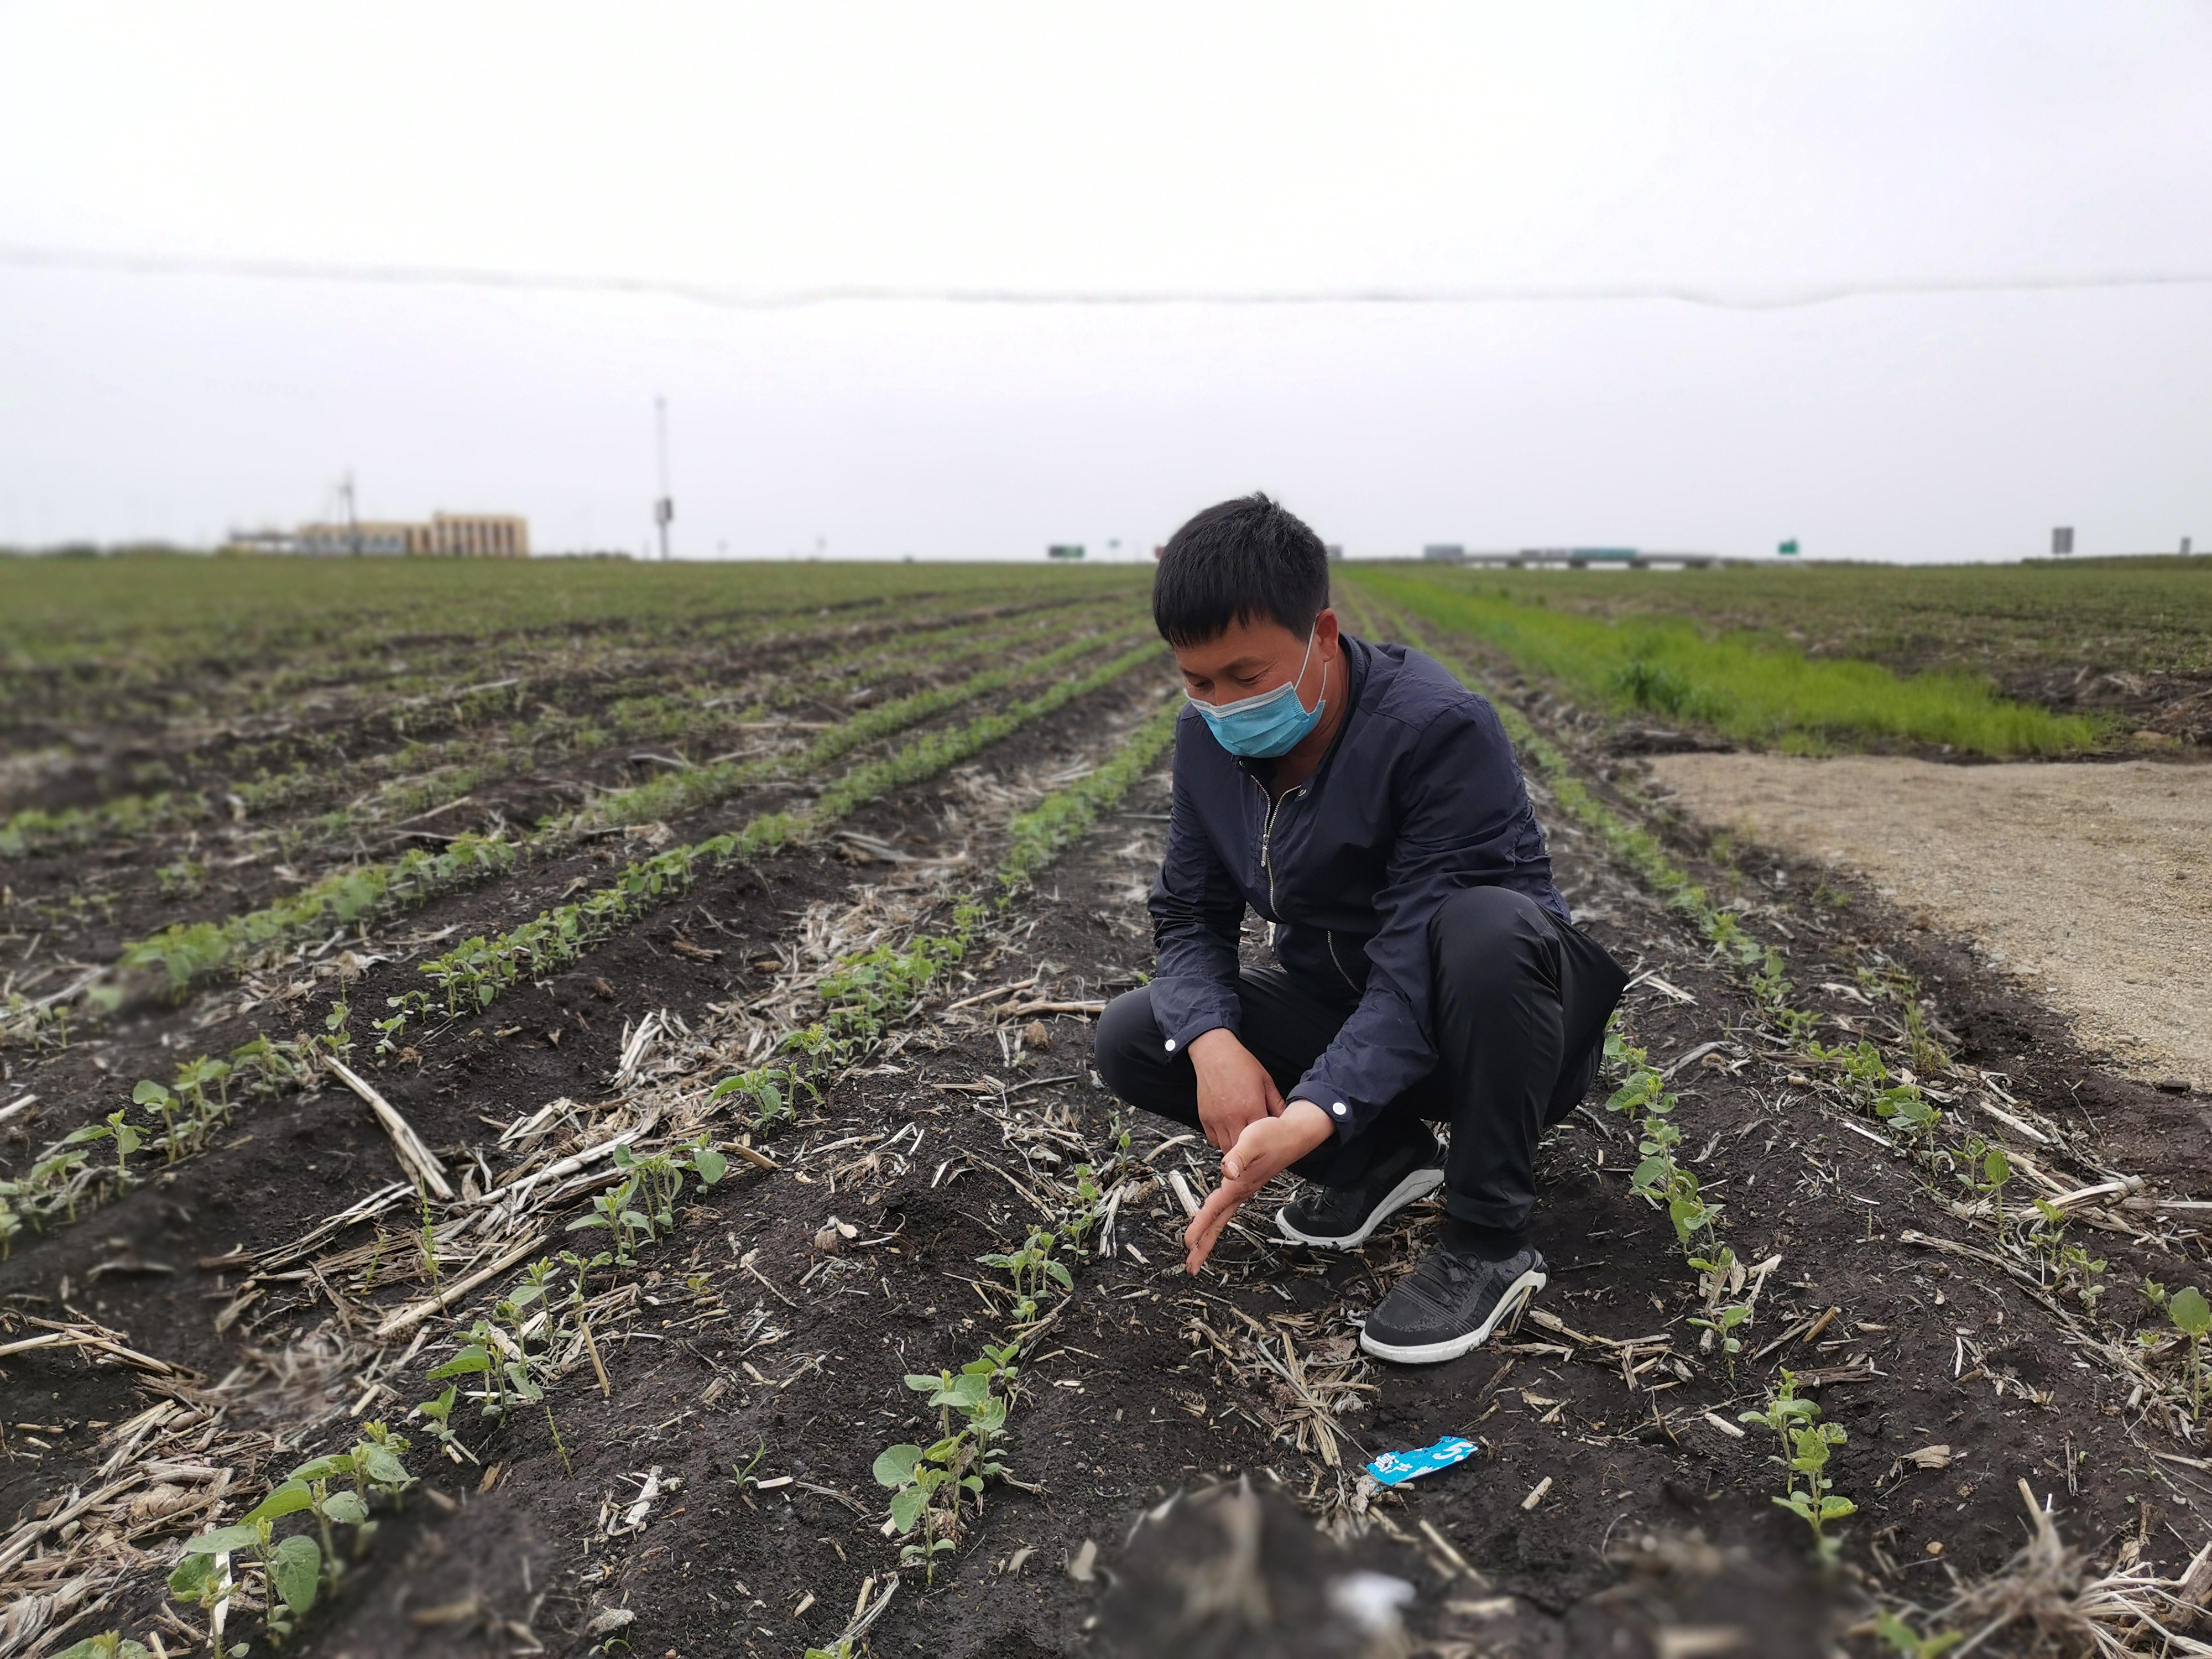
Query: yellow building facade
(447,536)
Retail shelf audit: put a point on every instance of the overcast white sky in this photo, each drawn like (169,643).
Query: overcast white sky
(1747,154)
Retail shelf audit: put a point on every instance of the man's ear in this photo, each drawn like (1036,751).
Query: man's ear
(1326,632)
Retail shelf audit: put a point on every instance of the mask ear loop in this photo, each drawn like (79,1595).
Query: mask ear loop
(1322,697)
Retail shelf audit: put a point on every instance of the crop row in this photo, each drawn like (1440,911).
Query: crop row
(189,952)
(862,998)
(445,766)
(1039,834)
(473,975)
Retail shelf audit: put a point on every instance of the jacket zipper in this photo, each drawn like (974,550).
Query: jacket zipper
(1267,836)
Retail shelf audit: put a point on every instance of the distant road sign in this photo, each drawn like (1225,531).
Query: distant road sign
(2062,540)
(1789,549)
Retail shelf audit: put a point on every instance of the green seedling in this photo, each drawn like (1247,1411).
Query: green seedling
(126,1136)
(427,1239)
(764,1088)
(182,879)
(930,1485)
(388,1033)
(112,1645)
(296,1569)
(2066,1267)
(1905,1108)
(743,1472)
(1908,1644)
(1996,1170)
(581,1269)
(439,1413)
(611,1212)
(1771,989)
(1809,1494)
(165,1105)
(485,1354)
(2192,1317)
(1930,1057)
(1031,1268)
(1087,1209)
(1722,1326)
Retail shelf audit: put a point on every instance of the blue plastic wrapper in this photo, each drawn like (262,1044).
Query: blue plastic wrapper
(1393,1468)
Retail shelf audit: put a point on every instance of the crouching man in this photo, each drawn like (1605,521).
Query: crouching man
(1370,811)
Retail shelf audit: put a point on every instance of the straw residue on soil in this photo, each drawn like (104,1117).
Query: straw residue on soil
(2093,885)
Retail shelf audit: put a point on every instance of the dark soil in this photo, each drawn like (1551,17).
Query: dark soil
(1146,1383)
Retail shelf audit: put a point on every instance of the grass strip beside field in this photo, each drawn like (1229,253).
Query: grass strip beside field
(1748,689)
(189,952)
(473,973)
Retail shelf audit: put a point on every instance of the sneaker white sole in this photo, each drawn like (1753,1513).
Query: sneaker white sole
(1416,1185)
(1510,1306)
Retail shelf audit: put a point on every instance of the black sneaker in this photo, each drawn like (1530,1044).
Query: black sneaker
(1449,1305)
(1341,1218)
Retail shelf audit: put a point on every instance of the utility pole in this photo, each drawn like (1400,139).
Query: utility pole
(353,517)
(663,506)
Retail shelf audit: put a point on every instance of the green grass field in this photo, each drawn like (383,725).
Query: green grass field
(2006,621)
(1815,659)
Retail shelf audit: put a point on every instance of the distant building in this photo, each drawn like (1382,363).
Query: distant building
(447,536)
(1445,552)
(1064,550)
(1335,550)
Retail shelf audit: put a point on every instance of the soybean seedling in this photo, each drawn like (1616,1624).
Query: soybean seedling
(1030,1267)
(582,1267)
(1908,1644)
(1085,1214)
(112,1644)
(427,1239)
(1996,1170)
(2192,1317)
(439,1413)
(152,1095)
(1808,1441)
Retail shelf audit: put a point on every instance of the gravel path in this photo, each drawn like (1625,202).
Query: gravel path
(2093,885)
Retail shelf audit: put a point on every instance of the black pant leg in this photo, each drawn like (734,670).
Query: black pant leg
(1285,1028)
(1513,1035)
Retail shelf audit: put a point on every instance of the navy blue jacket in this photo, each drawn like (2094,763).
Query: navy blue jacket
(1419,796)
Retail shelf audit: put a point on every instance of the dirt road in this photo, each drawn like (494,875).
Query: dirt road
(2092,884)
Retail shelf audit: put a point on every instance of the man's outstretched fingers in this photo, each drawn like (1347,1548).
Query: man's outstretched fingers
(1212,1217)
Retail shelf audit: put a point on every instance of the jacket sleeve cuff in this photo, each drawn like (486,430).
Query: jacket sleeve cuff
(1184,1018)
(1347,1114)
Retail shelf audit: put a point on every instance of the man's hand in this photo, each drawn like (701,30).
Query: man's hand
(1266,1148)
(1234,1089)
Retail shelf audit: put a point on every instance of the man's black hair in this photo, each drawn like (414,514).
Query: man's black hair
(1248,560)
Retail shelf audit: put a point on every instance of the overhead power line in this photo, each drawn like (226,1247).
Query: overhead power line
(1764,297)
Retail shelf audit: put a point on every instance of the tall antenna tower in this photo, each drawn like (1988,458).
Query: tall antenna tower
(664,505)
(352,514)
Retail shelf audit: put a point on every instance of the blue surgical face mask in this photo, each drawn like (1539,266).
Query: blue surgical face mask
(1271,723)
